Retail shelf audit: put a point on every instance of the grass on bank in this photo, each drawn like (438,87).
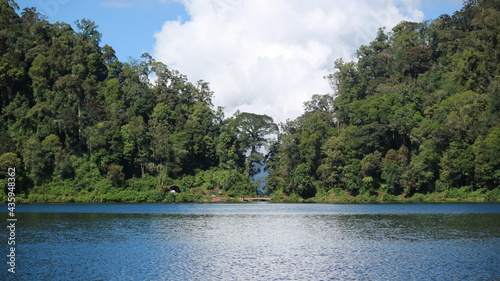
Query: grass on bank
(464,194)
(139,190)
(144,190)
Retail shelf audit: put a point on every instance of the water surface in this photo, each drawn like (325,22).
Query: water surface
(258,242)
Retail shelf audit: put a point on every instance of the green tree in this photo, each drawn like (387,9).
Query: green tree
(9,160)
(487,159)
(40,75)
(135,147)
(88,32)
(252,132)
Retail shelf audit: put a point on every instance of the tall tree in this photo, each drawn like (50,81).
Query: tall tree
(253,130)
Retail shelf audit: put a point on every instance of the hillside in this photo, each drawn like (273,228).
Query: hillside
(416,114)
(415,117)
(80,125)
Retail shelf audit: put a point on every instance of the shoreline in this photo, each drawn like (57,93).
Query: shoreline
(303,201)
(197,195)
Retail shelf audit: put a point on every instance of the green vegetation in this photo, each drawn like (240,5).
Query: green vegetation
(414,119)
(81,126)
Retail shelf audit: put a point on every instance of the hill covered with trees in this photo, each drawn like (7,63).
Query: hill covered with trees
(79,125)
(416,114)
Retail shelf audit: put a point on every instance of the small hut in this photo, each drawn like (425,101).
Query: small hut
(174,189)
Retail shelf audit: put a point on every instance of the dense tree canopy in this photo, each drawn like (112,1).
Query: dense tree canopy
(76,120)
(418,112)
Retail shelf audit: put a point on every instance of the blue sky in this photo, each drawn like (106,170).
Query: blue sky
(261,56)
(129,26)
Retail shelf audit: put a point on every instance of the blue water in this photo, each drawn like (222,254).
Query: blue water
(257,242)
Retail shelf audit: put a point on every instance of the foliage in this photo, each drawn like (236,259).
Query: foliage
(79,125)
(416,114)
(414,118)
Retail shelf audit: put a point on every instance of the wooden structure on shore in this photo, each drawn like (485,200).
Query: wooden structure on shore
(255,198)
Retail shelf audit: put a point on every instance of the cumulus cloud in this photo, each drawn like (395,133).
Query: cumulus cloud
(268,57)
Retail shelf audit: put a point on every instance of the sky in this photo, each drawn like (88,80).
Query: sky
(260,56)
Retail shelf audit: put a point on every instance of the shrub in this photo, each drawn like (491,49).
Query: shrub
(293,198)
(458,193)
(418,197)
(492,195)
(185,197)
(141,184)
(277,197)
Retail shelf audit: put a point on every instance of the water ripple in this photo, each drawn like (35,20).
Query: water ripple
(268,242)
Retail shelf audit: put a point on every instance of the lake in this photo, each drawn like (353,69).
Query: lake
(260,241)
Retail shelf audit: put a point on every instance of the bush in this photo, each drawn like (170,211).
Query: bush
(418,197)
(184,197)
(293,198)
(153,196)
(277,197)
(458,193)
(492,195)
(386,197)
(169,198)
(142,184)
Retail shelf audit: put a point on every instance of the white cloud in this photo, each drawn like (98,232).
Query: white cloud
(268,57)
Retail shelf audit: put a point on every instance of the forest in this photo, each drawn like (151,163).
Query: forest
(415,117)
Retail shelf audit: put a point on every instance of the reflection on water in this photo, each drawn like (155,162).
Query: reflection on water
(262,242)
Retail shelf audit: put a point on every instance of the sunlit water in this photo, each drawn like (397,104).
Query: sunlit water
(257,242)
